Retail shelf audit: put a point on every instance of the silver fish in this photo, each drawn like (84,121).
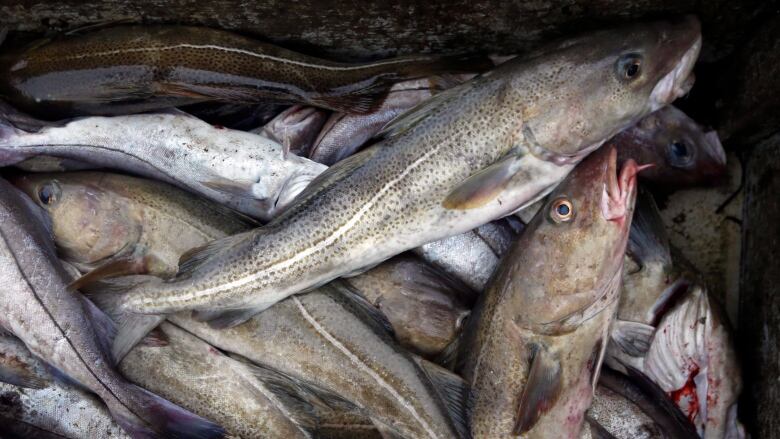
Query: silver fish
(537,337)
(469,155)
(33,404)
(243,171)
(473,256)
(69,332)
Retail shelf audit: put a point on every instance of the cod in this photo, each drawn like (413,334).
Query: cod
(471,154)
(537,337)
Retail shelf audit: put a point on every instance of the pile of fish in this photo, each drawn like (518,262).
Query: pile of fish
(417,247)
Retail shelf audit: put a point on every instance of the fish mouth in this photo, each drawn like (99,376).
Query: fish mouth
(619,189)
(678,81)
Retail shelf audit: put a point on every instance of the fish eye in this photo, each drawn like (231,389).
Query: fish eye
(49,193)
(679,153)
(629,67)
(561,210)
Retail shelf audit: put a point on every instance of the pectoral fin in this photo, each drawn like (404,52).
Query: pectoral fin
(541,390)
(123,266)
(484,186)
(633,338)
(222,319)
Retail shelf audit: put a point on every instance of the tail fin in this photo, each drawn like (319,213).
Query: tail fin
(155,417)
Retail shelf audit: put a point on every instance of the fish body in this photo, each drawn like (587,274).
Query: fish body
(671,331)
(99,217)
(195,375)
(471,154)
(685,154)
(321,339)
(141,68)
(343,134)
(295,128)
(243,171)
(33,404)
(473,256)
(425,308)
(537,336)
(67,331)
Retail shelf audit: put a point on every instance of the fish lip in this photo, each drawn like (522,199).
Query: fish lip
(679,80)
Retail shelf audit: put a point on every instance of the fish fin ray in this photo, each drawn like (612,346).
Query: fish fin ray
(483,186)
(647,239)
(373,315)
(104,328)
(631,337)
(194,258)
(452,390)
(226,318)
(20,373)
(121,266)
(296,390)
(541,391)
(361,101)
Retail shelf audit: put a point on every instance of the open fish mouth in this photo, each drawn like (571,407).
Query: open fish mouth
(619,189)
(677,82)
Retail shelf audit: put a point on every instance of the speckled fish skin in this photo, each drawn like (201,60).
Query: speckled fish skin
(243,171)
(62,328)
(191,373)
(141,68)
(343,134)
(99,216)
(683,152)
(473,256)
(626,410)
(51,408)
(319,339)
(396,192)
(548,310)
(425,308)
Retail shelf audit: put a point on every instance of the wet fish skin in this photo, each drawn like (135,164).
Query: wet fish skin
(683,152)
(295,128)
(67,331)
(536,339)
(42,407)
(198,377)
(627,409)
(473,256)
(243,171)
(98,217)
(320,338)
(439,172)
(423,306)
(140,68)
(344,134)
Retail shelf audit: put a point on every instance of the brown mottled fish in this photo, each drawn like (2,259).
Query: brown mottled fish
(536,339)
(471,154)
(139,68)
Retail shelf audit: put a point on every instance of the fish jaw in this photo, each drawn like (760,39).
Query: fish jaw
(677,82)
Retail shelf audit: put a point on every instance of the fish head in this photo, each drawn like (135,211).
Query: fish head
(587,89)
(684,154)
(576,242)
(91,223)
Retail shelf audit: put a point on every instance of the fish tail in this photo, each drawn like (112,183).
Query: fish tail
(146,415)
